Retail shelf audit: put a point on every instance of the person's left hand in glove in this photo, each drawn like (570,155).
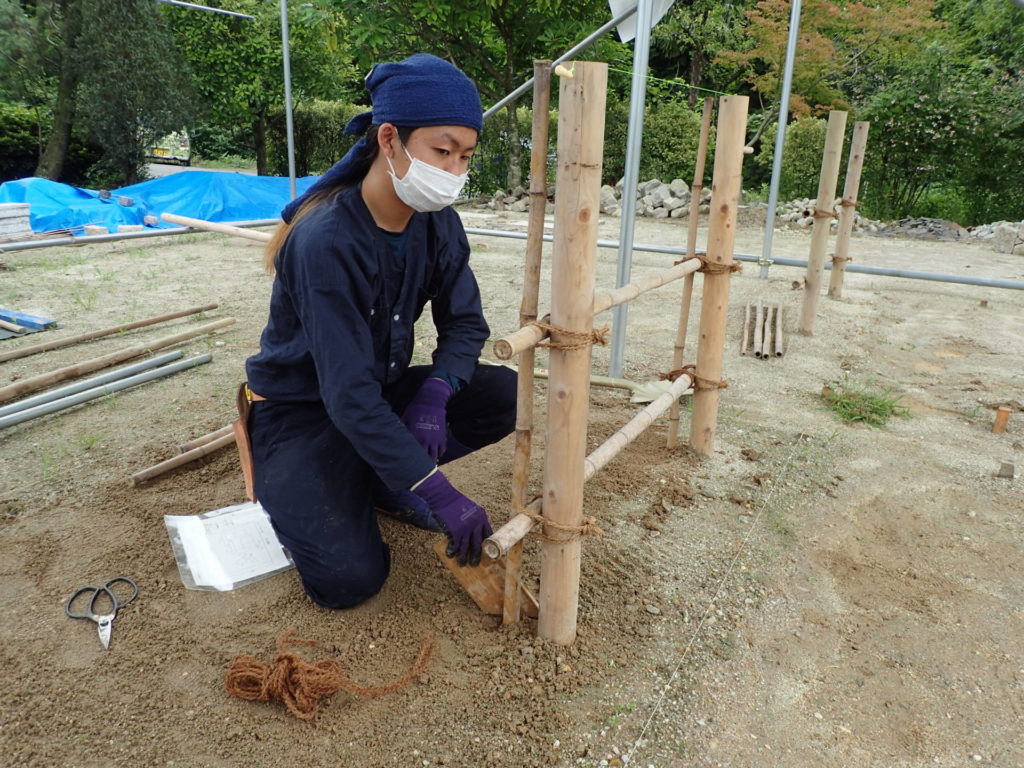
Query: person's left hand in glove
(425,416)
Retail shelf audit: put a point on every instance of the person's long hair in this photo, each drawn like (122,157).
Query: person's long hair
(363,162)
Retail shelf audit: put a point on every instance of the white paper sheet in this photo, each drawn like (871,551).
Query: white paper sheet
(226,548)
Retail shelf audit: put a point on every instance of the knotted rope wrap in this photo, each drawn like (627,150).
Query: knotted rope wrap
(572,339)
(301,685)
(699,382)
(848,203)
(716,268)
(588,526)
(818,213)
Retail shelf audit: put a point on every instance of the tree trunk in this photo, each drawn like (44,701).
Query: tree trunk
(697,61)
(51,163)
(514,178)
(259,136)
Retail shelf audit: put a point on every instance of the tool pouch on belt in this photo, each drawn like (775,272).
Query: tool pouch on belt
(242,439)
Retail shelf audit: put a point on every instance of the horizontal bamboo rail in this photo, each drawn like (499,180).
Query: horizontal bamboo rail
(213,226)
(499,542)
(531,335)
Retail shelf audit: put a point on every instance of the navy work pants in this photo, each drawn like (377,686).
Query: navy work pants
(318,491)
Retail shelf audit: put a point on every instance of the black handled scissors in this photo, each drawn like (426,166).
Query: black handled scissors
(108,601)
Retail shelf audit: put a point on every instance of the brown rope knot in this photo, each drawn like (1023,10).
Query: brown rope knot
(568,340)
(715,268)
(699,382)
(301,685)
(818,213)
(848,203)
(836,258)
(689,370)
(588,526)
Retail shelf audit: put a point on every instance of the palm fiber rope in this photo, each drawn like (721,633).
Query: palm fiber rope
(571,339)
(587,527)
(301,685)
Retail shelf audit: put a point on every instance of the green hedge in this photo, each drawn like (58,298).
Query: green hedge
(20,130)
(320,139)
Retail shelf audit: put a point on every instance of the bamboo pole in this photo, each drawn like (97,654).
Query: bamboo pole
(758,329)
(581,106)
(778,330)
(505,537)
(182,458)
(96,363)
(766,343)
(527,314)
(714,305)
(822,218)
(848,210)
(530,336)
(48,345)
(1001,420)
(214,226)
(679,352)
(207,438)
(746,329)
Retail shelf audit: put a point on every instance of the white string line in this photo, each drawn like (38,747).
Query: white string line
(714,600)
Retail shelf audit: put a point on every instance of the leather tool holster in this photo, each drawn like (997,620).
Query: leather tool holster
(244,402)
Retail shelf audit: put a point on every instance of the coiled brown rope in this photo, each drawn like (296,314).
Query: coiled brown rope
(301,685)
(571,339)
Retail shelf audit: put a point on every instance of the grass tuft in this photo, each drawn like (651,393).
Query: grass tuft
(859,404)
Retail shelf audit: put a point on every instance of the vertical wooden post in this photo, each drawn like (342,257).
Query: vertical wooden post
(581,108)
(822,218)
(527,314)
(714,303)
(691,252)
(848,209)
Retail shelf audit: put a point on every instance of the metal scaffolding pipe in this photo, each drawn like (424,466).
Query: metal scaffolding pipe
(95,381)
(988,282)
(106,389)
(26,245)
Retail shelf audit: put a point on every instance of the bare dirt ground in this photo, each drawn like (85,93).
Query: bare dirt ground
(812,594)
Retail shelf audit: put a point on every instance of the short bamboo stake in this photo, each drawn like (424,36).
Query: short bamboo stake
(766,342)
(1001,420)
(714,305)
(679,352)
(96,363)
(531,335)
(848,211)
(581,117)
(45,346)
(214,226)
(744,342)
(758,329)
(778,330)
(503,539)
(207,438)
(823,216)
(527,314)
(182,458)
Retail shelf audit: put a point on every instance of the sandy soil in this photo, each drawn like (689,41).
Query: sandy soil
(812,594)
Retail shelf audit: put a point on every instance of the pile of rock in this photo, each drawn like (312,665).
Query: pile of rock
(654,198)
(799,214)
(1004,236)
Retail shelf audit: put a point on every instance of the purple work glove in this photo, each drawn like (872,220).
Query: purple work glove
(425,416)
(461,518)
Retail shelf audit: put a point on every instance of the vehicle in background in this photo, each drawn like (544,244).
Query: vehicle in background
(173,148)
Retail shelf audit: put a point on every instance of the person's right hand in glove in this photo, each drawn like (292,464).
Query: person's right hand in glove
(460,517)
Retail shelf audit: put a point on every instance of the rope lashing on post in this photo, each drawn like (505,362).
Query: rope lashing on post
(715,268)
(301,685)
(699,382)
(588,526)
(836,258)
(818,213)
(573,339)
(848,203)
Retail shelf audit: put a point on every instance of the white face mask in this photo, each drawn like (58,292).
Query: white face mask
(426,188)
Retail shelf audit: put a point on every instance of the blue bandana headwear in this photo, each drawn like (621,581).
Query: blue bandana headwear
(421,90)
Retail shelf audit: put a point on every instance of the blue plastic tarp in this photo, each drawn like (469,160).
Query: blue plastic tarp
(208,195)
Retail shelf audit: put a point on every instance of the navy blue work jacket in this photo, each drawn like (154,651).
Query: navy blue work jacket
(341,323)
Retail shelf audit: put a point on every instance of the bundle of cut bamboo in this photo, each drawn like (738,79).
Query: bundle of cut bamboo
(765,337)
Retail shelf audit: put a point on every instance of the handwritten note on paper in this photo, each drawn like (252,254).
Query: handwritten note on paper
(226,548)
